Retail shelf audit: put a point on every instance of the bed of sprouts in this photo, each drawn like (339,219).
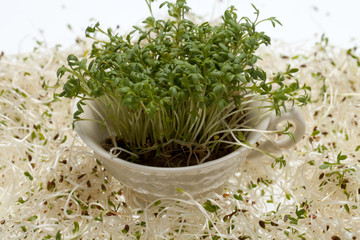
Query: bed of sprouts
(52,186)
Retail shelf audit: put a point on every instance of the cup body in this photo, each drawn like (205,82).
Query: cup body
(145,183)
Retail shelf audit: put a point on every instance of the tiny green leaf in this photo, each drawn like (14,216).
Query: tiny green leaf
(347,208)
(314,133)
(157,203)
(27,174)
(179,190)
(311,162)
(210,207)
(293,70)
(32,218)
(58,236)
(238,197)
(76,227)
(219,88)
(341,157)
(324,166)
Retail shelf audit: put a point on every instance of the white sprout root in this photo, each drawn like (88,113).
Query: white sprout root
(52,187)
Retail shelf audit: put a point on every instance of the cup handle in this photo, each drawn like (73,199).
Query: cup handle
(269,146)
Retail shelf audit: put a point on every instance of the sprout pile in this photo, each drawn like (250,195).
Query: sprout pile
(53,187)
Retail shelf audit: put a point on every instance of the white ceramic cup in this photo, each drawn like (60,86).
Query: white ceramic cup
(144,184)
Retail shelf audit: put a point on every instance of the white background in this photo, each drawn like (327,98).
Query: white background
(24,22)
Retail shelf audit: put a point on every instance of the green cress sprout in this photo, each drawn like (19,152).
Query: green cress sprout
(176,93)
